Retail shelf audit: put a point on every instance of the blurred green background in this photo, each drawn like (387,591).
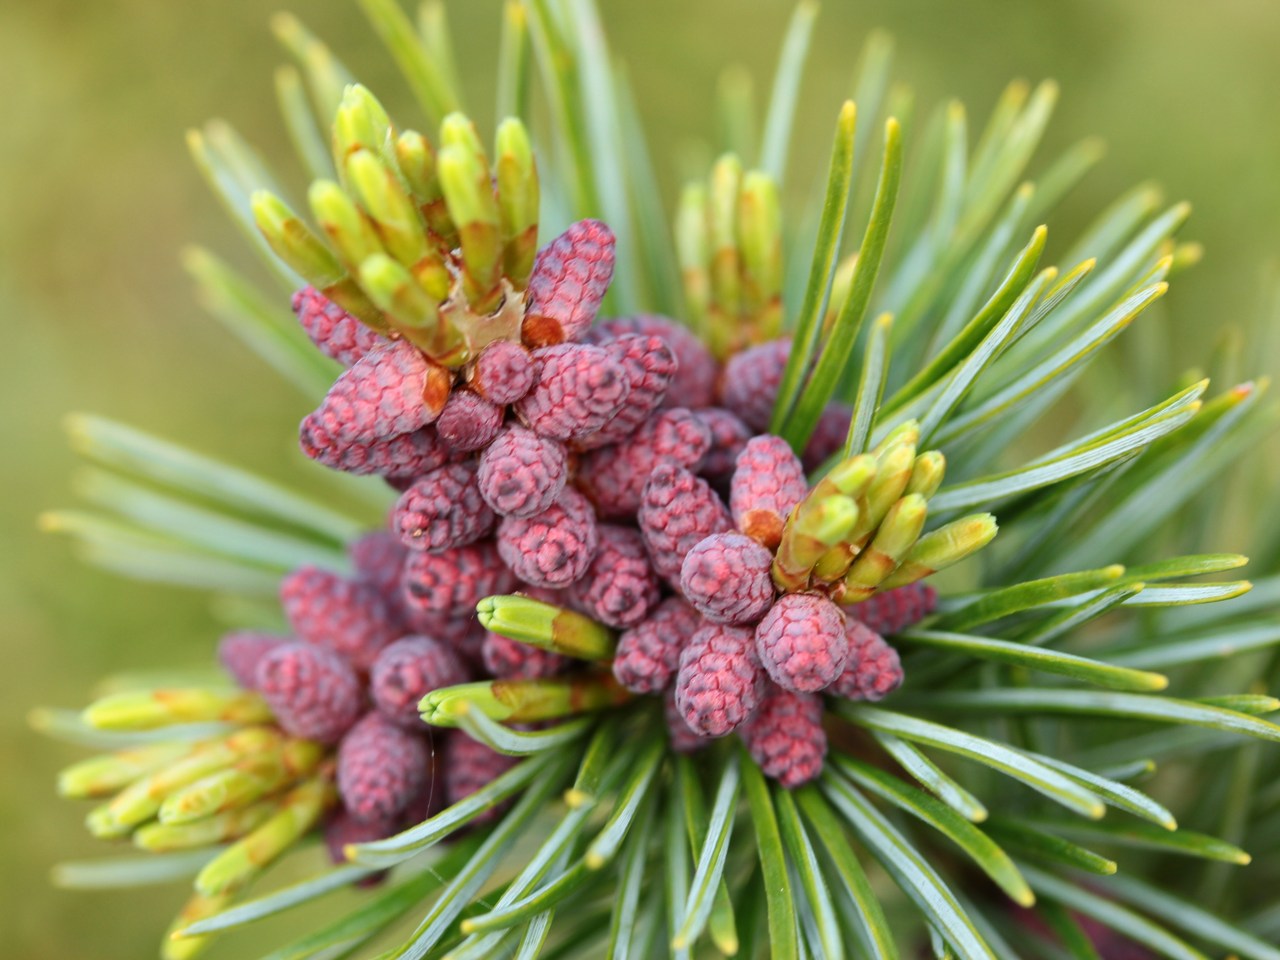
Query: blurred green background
(98,197)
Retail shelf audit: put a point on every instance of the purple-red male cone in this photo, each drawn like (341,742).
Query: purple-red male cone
(620,586)
(873,669)
(785,736)
(577,390)
(507,658)
(801,642)
(693,385)
(726,576)
(381,396)
(614,477)
(569,280)
(729,436)
(503,373)
(520,473)
(648,654)
(768,482)
(349,617)
(470,765)
(719,680)
(406,671)
(404,456)
(239,653)
(650,365)
(379,559)
(338,334)
(676,512)
(468,421)
(381,768)
(894,610)
(447,583)
(313,692)
(443,509)
(749,384)
(552,548)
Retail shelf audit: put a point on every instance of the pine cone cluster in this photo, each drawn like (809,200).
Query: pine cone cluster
(589,490)
(719,522)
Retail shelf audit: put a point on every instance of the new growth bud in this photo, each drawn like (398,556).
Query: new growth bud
(546,626)
(518,197)
(523,701)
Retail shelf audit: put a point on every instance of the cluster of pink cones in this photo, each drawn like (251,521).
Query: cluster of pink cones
(598,469)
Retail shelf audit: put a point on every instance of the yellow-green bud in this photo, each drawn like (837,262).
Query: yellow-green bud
(293,241)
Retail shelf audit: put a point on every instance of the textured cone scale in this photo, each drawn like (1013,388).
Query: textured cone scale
(312,692)
(338,334)
(649,653)
(349,617)
(404,456)
(379,559)
(897,609)
(577,390)
(468,421)
(458,631)
(380,397)
(785,736)
(680,735)
(447,585)
(650,365)
(468,766)
(726,577)
(801,642)
(468,642)
(719,680)
(829,435)
(620,586)
(677,511)
(409,669)
(614,477)
(768,482)
(552,548)
(569,280)
(503,373)
(872,671)
(521,474)
(239,653)
(381,768)
(507,658)
(443,509)
(693,385)
(729,436)
(749,384)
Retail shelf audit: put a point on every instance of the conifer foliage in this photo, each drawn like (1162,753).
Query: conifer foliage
(646,659)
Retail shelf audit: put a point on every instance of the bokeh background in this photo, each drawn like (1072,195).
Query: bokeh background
(97,197)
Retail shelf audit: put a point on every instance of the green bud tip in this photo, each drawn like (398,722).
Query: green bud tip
(546,626)
(831,520)
(522,700)
(293,241)
(383,196)
(908,431)
(465,183)
(343,223)
(457,130)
